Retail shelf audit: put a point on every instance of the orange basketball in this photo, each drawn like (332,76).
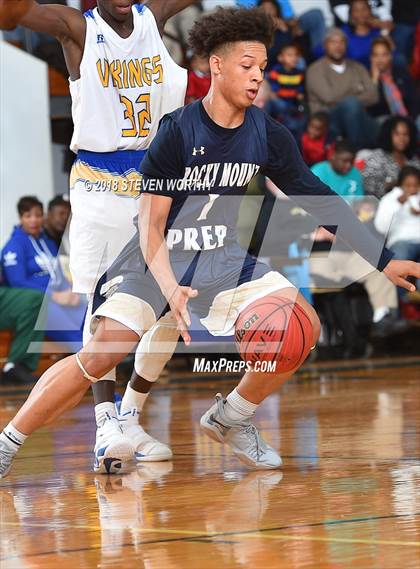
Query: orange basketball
(12,12)
(274,329)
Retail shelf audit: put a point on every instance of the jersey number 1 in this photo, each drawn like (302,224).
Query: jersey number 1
(139,126)
(207,207)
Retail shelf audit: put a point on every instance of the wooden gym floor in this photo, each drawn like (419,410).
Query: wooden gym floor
(347,496)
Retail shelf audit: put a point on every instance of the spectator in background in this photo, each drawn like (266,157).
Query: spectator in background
(343,88)
(406,15)
(311,23)
(19,309)
(397,147)
(398,216)
(339,172)
(396,89)
(360,32)
(344,266)
(282,35)
(198,79)
(288,87)
(29,261)
(380,9)
(314,143)
(395,17)
(56,220)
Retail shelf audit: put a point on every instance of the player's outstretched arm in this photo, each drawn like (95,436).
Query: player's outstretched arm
(165,9)
(398,271)
(62,22)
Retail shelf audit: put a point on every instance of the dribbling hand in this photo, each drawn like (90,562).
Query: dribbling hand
(178,303)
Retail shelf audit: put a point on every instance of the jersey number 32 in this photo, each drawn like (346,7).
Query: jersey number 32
(140,124)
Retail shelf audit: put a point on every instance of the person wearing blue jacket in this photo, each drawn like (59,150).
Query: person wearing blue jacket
(29,260)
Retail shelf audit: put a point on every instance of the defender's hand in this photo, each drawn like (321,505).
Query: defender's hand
(398,271)
(178,302)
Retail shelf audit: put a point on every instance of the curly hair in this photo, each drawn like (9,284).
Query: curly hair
(388,127)
(228,25)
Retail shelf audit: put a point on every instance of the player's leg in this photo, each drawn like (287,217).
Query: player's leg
(155,349)
(110,442)
(65,382)
(229,420)
(149,363)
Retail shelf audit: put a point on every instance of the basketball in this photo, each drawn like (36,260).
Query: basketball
(10,14)
(274,329)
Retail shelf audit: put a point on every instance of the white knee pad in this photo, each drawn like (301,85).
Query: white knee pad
(156,348)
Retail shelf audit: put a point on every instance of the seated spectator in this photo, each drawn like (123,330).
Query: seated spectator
(360,32)
(342,88)
(406,15)
(29,261)
(19,309)
(380,9)
(397,146)
(310,22)
(398,216)
(198,79)
(396,89)
(339,172)
(399,21)
(287,84)
(55,223)
(282,35)
(314,143)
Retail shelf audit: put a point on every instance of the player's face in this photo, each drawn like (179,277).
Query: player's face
(119,10)
(32,221)
(342,162)
(241,72)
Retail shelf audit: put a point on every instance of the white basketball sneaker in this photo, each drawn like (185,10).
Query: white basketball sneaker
(113,450)
(146,448)
(242,437)
(6,458)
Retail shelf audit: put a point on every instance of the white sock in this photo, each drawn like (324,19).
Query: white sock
(237,408)
(132,398)
(380,313)
(102,410)
(13,438)
(8,367)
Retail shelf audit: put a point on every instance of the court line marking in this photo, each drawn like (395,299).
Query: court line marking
(193,535)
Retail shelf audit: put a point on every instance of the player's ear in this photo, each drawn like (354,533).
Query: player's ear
(215,62)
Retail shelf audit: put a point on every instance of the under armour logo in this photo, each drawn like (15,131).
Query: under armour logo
(100,38)
(199,151)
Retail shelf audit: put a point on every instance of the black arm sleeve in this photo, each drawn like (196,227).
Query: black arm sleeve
(164,162)
(286,168)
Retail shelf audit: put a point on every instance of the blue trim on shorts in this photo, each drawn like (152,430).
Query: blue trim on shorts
(127,159)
